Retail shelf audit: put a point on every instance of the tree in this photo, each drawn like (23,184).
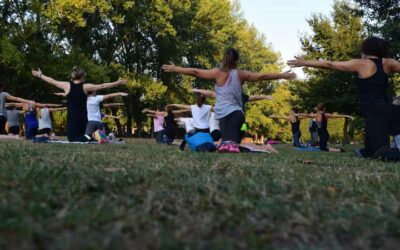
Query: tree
(336,38)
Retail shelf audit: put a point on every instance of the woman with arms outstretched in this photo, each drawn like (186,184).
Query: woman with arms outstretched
(228,89)
(373,69)
(76,92)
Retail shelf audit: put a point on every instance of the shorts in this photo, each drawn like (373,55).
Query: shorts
(44,131)
(14,130)
(31,132)
(93,126)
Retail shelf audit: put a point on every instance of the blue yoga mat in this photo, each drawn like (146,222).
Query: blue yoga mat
(308,149)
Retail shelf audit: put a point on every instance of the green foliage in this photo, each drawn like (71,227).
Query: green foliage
(257,115)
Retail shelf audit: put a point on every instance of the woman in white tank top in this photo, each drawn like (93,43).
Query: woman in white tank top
(228,89)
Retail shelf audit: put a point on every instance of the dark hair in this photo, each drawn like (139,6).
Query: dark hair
(374,46)
(31,97)
(295,110)
(320,107)
(201,99)
(78,74)
(231,57)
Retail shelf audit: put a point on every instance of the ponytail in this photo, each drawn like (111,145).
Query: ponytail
(229,62)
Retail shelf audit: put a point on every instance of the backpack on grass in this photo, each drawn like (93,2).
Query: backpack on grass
(200,142)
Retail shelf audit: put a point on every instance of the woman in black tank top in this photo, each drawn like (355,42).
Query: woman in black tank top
(381,118)
(76,92)
(294,118)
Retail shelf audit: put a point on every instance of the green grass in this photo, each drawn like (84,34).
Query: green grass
(146,196)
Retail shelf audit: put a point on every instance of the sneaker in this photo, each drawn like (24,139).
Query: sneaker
(233,148)
(223,148)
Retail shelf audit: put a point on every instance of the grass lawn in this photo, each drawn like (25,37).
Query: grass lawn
(145,196)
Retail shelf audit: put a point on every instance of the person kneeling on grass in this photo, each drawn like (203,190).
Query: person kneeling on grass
(294,118)
(94,115)
(170,126)
(322,121)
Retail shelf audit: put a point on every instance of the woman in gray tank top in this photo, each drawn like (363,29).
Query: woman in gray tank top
(228,90)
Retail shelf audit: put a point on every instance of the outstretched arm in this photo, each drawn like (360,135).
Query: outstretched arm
(59,84)
(17,99)
(47,105)
(179,106)
(200,73)
(61,94)
(280,117)
(57,109)
(254,98)
(111,116)
(305,115)
(109,96)
(14,104)
(339,116)
(345,66)
(394,66)
(152,112)
(208,93)
(96,87)
(112,105)
(254,77)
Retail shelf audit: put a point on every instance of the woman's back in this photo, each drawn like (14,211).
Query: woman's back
(374,87)
(76,102)
(229,95)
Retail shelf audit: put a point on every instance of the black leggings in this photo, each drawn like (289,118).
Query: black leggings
(323,139)
(230,126)
(3,121)
(76,129)
(381,120)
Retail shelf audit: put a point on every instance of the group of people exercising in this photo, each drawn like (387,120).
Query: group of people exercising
(382,118)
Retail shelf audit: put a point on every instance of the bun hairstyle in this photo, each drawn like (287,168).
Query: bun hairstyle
(374,46)
(295,110)
(320,107)
(201,99)
(78,74)
(230,60)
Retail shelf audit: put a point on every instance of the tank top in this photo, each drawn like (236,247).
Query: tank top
(13,117)
(375,87)
(323,124)
(31,118)
(170,121)
(229,96)
(45,119)
(76,103)
(296,125)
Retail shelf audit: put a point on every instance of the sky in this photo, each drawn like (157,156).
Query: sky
(284,21)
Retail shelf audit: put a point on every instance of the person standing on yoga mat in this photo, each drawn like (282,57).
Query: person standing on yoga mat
(321,118)
(294,118)
(76,92)
(382,119)
(4,96)
(228,89)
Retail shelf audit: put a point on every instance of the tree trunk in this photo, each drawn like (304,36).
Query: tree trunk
(345,140)
(117,122)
